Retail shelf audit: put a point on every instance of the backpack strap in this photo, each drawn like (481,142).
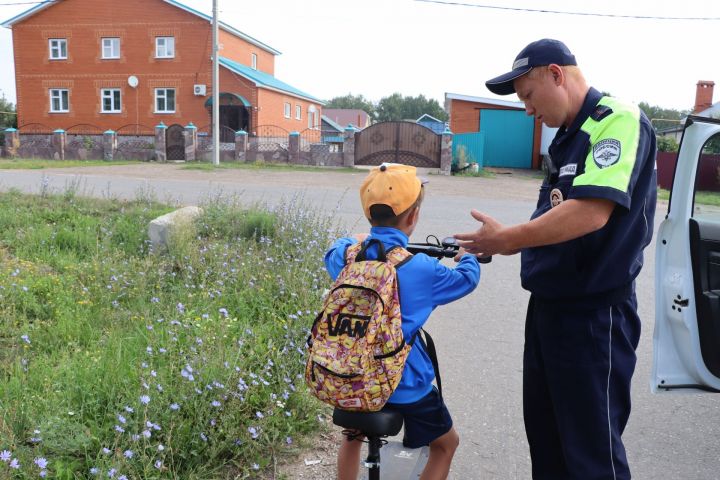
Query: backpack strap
(429,345)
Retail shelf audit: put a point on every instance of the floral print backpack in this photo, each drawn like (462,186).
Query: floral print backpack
(356,349)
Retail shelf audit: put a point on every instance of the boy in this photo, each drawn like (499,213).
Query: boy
(391,196)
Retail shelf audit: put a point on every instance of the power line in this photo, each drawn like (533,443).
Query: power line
(27,3)
(584,14)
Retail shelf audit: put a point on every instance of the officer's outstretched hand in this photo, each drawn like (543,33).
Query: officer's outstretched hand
(488,240)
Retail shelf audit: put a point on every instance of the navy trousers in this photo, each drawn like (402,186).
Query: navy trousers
(577,367)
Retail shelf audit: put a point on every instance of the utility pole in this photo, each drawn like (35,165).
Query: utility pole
(215,88)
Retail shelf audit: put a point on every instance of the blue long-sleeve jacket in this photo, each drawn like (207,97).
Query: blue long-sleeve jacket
(424,284)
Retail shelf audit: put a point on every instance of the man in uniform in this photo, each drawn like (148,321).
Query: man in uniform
(581,252)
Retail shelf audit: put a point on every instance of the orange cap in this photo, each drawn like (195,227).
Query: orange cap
(391,184)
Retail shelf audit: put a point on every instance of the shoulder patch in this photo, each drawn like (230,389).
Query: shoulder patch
(606,152)
(601,111)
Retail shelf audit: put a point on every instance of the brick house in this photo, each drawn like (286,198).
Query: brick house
(126,66)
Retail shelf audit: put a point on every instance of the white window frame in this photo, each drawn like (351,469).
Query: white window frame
(58,94)
(162,94)
(253,61)
(298,112)
(110,47)
(115,97)
(164,47)
(57,48)
(287,109)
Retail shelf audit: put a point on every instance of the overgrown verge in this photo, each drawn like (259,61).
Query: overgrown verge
(118,362)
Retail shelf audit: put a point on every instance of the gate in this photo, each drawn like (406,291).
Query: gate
(268,143)
(398,142)
(508,138)
(175,142)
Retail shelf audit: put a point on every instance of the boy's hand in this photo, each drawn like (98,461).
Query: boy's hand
(360,237)
(462,251)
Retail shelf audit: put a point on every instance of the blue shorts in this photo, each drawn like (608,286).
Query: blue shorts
(424,421)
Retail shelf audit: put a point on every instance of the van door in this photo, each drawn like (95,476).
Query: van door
(687,275)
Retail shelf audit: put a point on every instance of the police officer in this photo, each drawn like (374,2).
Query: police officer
(581,252)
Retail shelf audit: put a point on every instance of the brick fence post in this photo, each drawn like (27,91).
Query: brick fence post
(446,152)
(160,150)
(109,145)
(190,142)
(59,139)
(241,144)
(294,148)
(349,146)
(12,142)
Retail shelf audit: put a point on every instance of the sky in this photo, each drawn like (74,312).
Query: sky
(375,48)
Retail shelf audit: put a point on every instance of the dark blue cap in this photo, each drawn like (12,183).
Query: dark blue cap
(539,53)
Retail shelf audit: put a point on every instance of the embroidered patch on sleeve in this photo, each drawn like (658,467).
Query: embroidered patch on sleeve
(606,152)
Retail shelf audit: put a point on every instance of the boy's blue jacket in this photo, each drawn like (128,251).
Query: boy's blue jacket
(424,284)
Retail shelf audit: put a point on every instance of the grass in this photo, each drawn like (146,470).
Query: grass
(184,363)
(702,198)
(38,164)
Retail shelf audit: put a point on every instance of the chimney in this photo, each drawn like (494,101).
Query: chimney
(703,95)
(359,124)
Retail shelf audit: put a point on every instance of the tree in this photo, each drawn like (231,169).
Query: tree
(353,102)
(7,114)
(397,107)
(667,144)
(662,118)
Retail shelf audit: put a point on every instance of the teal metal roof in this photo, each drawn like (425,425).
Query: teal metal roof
(237,97)
(48,3)
(264,80)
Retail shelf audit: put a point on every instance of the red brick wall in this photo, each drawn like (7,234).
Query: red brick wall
(272,110)
(465,118)
(84,73)
(241,51)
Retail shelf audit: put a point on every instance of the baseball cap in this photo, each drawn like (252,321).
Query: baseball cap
(392,184)
(538,53)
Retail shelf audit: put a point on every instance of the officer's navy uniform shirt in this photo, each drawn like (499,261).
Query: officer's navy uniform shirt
(608,152)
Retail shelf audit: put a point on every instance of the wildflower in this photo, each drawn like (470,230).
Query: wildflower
(14,463)
(203,437)
(259,415)
(161,447)
(129,409)
(174,406)
(144,399)
(180,308)
(41,462)
(146,433)
(106,451)
(158,464)
(25,339)
(121,419)
(119,429)
(5,456)
(223,312)
(128,453)
(111,473)
(288,440)
(253,432)
(215,403)
(123,477)
(94,471)
(255,466)
(155,300)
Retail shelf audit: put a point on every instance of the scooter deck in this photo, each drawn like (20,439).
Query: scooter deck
(400,463)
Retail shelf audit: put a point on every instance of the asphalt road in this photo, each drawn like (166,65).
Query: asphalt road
(480,338)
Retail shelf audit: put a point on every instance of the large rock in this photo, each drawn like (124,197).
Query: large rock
(160,229)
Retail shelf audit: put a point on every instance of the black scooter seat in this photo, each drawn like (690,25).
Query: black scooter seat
(371,424)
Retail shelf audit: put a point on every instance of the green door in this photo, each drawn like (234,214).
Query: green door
(508,138)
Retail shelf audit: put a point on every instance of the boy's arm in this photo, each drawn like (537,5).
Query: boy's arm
(335,257)
(452,283)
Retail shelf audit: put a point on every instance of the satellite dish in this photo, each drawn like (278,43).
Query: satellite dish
(133,81)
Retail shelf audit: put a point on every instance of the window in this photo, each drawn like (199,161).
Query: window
(287,110)
(312,117)
(111,100)
(706,199)
(298,112)
(164,100)
(253,63)
(110,48)
(165,47)
(58,49)
(59,100)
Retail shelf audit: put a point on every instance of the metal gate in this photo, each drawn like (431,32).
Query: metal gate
(508,138)
(175,142)
(398,142)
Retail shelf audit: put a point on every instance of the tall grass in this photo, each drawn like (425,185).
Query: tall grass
(120,362)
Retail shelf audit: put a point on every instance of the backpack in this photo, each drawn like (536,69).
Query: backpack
(356,348)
